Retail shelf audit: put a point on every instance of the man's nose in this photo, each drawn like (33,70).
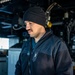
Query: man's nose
(27,26)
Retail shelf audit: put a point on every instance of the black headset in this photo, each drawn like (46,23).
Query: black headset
(47,13)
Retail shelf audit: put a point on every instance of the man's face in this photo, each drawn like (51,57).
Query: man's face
(33,29)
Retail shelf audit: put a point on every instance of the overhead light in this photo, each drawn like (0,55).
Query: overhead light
(4,27)
(57,23)
(4,23)
(12,35)
(2,1)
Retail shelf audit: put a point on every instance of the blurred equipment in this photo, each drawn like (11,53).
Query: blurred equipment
(69,29)
(18,23)
(71,39)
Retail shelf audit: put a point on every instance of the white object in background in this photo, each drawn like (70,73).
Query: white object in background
(13,55)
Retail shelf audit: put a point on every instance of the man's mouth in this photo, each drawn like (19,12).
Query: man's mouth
(29,31)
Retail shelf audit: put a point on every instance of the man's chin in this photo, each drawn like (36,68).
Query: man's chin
(31,36)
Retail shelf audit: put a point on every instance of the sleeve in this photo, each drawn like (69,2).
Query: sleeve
(18,69)
(63,61)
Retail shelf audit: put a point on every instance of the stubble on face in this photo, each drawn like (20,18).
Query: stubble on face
(35,30)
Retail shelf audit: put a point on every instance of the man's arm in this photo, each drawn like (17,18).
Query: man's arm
(63,61)
(18,67)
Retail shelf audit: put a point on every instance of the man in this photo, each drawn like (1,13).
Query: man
(44,53)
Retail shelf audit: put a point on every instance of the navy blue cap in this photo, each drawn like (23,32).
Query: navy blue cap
(36,15)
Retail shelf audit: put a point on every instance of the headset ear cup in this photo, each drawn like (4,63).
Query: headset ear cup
(49,24)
